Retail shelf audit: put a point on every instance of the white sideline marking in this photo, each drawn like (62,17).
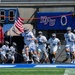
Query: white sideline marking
(66,72)
(5,66)
(45,65)
(54,66)
(69,72)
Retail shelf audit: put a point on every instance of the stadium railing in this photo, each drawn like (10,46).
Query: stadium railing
(33,0)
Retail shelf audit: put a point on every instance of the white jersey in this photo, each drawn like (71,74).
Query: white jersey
(4,49)
(42,46)
(74,44)
(27,40)
(11,53)
(66,39)
(27,36)
(12,50)
(69,38)
(42,41)
(53,42)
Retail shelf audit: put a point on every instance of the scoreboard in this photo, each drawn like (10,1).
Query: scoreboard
(8,15)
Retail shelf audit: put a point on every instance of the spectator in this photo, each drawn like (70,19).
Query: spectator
(1,36)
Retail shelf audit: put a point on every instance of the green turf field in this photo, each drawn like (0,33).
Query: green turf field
(31,71)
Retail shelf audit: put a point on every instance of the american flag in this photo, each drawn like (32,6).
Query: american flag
(19,24)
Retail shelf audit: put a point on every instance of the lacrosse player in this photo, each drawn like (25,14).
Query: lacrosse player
(29,40)
(69,39)
(25,53)
(4,49)
(54,45)
(73,46)
(11,52)
(67,45)
(42,47)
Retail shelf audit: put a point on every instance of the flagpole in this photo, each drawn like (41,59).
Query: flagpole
(10,30)
(10,38)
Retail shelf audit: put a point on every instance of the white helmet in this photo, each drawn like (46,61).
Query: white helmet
(26,29)
(74,30)
(14,44)
(40,32)
(68,28)
(54,34)
(6,42)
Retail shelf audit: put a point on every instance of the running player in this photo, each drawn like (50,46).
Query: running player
(11,52)
(25,53)
(4,49)
(42,47)
(54,44)
(67,45)
(73,51)
(70,39)
(29,40)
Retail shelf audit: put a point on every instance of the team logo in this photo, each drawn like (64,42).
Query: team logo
(45,20)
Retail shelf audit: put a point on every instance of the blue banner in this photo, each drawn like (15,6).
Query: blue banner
(55,20)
